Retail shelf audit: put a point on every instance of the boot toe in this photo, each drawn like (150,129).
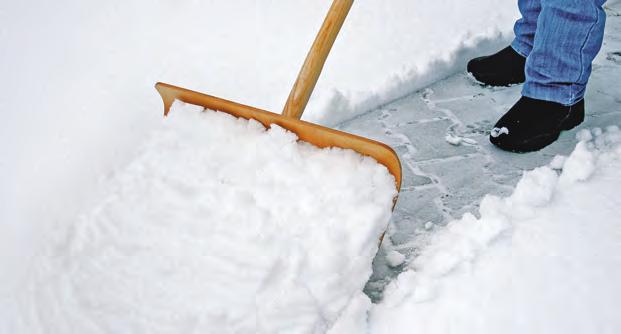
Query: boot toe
(473,65)
(531,124)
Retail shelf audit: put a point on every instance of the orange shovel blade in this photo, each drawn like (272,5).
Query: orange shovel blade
(317,135)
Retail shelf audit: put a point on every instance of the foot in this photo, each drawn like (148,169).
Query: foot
(531,124)
(501,69)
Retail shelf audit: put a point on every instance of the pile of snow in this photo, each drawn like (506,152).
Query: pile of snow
(217,226)
(546,259)
(77,80)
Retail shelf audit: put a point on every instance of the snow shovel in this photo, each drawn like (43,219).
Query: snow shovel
(300,93)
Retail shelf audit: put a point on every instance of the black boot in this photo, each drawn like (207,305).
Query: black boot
(531,124)
(501,69)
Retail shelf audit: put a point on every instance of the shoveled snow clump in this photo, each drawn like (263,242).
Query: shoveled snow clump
(395,258)
(218,226)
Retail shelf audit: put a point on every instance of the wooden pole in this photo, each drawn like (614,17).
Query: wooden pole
(316,58)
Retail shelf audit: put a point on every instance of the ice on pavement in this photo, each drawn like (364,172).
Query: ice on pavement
(217,226)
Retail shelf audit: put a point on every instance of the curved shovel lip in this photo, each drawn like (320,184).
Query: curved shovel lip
(320,136)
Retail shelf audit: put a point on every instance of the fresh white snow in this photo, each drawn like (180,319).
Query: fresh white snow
(77,95)
(77,104)
(217,226)
(395,258)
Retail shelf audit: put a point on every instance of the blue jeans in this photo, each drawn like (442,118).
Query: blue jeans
(560,39)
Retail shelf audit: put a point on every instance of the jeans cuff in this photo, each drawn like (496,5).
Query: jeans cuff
(565,94)
(521,48)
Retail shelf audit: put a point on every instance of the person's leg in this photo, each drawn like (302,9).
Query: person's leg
(526,26)
(568,36)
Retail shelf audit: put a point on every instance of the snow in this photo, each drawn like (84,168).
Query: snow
(77,91)
(497,132)
(77,104)
(546,259)
(395,258)
(217,226)
(453,140)
(559,160)
(457,140)
(584,135)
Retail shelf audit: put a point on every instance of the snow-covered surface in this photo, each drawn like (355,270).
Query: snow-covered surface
(443,182)
(77,114)
(217,226)
(77,97)
(546,259)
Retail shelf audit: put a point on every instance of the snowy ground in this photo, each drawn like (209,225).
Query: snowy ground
(77,91)
(63,142)
(444,181)
(229,228)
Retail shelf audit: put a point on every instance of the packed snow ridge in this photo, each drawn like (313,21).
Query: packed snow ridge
(218,226)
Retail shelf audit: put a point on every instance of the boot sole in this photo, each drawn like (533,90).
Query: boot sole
(492,81)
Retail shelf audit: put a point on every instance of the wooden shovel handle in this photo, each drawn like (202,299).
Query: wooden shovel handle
(316,58)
